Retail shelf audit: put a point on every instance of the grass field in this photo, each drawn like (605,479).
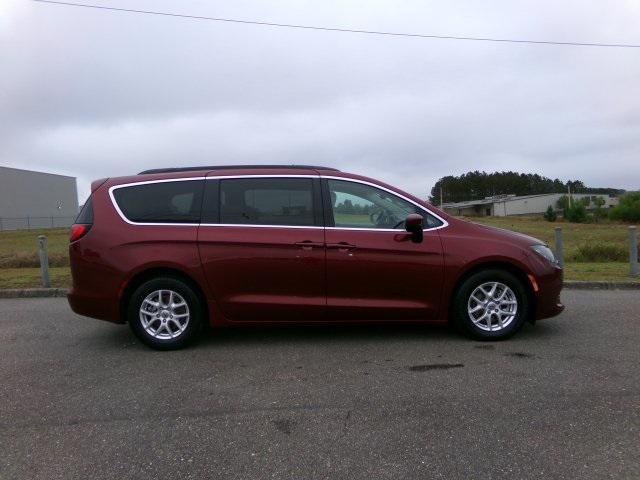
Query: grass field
(30,277)
(19,250)
(575,235)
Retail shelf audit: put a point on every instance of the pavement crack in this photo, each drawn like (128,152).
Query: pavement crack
(345,423)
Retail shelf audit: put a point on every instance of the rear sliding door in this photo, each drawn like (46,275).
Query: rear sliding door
(261,244)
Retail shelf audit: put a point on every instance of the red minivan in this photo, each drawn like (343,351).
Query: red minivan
(170,250)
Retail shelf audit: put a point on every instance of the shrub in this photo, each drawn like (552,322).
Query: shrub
(600,252)
(628,210)
(576,213)
(550,215)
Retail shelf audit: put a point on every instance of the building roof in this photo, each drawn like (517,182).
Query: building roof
(34,171)
(509,198)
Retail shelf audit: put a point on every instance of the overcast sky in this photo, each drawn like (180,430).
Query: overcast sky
(95,93)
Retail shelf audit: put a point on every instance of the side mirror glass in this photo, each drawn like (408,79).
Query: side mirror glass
(414,225)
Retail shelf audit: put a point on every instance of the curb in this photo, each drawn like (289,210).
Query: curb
(33,292)
(62,292)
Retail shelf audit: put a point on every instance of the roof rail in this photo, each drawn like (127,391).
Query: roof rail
(233,167)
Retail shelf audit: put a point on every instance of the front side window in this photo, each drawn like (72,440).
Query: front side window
(356,205)
(164,202)
(267,201)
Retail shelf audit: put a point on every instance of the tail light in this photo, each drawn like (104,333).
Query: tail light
(84,221)
(78,230)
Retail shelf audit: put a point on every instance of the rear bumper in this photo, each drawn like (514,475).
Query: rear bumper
(548,303)
(94,307)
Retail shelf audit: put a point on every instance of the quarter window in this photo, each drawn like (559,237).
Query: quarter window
(164,202)
(267,201)
(356,205)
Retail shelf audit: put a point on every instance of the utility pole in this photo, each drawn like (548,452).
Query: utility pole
(569,191)
(440,197)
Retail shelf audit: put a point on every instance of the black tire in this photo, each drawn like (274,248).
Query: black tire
(462,318)
(191,327)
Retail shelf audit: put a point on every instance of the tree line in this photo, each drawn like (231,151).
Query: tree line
(478,185)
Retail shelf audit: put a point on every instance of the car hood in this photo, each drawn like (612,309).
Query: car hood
(507,235)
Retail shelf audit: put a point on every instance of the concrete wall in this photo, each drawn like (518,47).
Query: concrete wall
(36,200)
(471,211)
(539,204)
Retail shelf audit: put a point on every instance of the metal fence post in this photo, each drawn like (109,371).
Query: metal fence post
(44,261)
(633,251)
(559,247)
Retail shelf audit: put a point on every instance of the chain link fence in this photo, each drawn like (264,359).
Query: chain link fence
(36,222)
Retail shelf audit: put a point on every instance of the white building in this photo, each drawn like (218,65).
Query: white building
(507,205)
(31,199)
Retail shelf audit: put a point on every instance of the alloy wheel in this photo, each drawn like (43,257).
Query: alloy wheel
(492,306)
(164,314)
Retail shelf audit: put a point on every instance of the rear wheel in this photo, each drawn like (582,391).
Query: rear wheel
(491,305)
(165,313)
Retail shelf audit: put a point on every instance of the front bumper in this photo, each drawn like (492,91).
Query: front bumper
(548,303)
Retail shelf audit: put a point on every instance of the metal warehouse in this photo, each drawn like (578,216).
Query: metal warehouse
(31,199)
(507,205)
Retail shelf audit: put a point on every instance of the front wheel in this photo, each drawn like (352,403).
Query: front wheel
(491,305)
(165,313)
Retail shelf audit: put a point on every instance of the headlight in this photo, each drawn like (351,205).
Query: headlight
(544,251)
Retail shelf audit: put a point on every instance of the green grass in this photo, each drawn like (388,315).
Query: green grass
(576,236)
(350,219)
(600,271)
(20,248)
(30,277)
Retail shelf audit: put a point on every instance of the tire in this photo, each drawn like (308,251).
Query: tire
(165,328)
(486,317)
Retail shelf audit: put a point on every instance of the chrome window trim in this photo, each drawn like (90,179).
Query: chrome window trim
(147,182)
(223,177)
(364,182)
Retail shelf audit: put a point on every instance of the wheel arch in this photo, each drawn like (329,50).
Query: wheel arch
(153,272)
(519,272)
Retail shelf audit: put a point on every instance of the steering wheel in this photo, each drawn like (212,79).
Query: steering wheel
(382,218)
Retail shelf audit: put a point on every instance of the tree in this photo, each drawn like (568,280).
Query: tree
(563,202)
(628,209)
(550,215)
(477,185)
(577,211)
(598,211)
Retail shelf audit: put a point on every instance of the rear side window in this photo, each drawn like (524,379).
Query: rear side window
(164,202)
(267,201)
(86,214)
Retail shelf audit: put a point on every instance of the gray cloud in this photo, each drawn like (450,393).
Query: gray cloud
(97,94)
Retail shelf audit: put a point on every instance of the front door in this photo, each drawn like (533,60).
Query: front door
(262,248)
(374,271)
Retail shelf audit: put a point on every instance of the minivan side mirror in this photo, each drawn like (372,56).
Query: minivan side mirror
(413,225)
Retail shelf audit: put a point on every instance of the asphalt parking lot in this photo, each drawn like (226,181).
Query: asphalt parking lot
(80,398)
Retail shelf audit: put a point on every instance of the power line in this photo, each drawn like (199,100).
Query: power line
(342,30)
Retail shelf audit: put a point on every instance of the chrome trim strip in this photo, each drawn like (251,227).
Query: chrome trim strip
(252,225)
(222,177)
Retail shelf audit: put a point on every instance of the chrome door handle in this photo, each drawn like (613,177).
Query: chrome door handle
(344,246)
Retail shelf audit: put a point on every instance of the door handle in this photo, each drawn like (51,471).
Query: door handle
(344,246)
(308,244)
